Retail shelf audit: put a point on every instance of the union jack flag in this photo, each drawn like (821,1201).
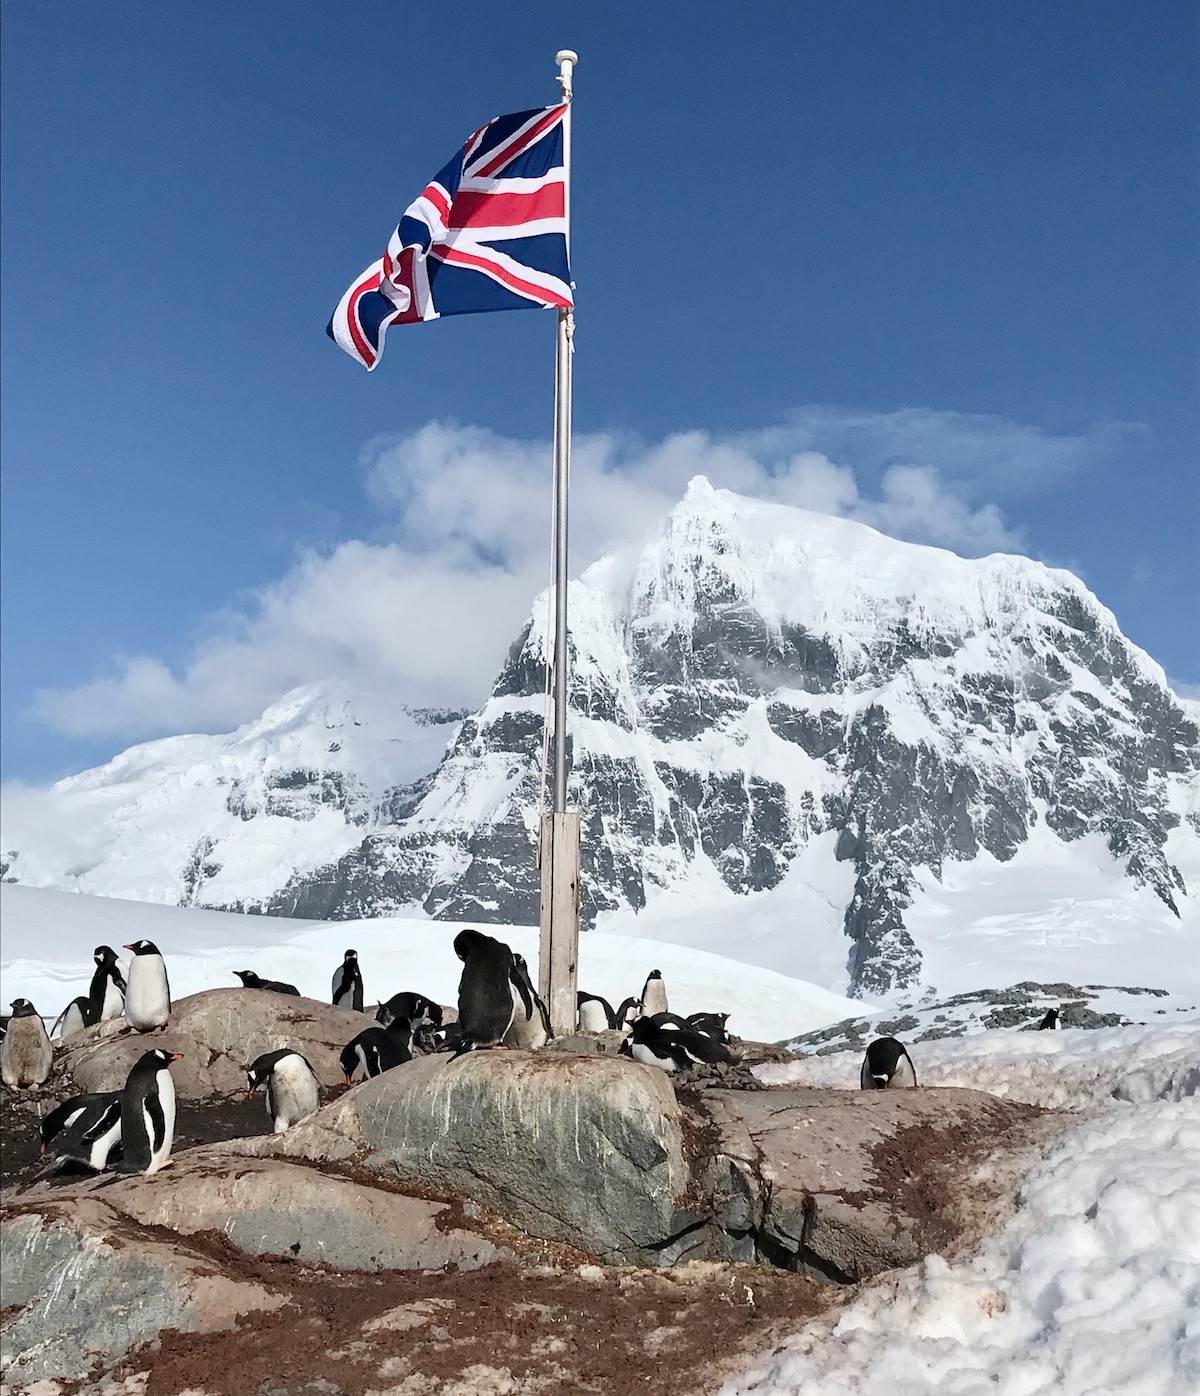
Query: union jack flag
(489,232)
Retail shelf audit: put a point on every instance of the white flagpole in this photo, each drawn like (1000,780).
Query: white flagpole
(559,942)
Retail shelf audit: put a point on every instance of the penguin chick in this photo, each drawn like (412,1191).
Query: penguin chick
(250,980)
(25,1053)
(148,1110)
(147,990)
(887,1066)
(293,1091)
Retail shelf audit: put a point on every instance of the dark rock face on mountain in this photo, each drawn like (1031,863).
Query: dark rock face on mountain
(759,678)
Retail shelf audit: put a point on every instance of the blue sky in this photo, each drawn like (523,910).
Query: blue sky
(951,248)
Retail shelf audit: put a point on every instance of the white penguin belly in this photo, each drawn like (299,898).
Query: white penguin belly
(642,1053)
(114,1002)
(166,1099)
(147,998)
(592,1017)
(292,1094)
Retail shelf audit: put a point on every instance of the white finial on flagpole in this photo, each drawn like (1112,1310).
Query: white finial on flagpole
(566,59)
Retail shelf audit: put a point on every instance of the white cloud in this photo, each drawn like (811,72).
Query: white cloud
(429,607)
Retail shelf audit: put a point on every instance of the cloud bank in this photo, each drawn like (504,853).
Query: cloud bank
(428,607)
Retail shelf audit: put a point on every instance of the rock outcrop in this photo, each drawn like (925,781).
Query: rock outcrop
(219,1032)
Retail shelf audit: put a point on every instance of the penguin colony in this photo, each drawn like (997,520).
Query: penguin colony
(498,1008)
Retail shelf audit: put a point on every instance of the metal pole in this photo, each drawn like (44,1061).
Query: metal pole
(559,943)
(566,60)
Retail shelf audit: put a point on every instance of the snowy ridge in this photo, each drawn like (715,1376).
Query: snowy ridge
(789,734)
(213,819)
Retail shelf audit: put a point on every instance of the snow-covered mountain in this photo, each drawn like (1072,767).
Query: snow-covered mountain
(210,820)
(787,726)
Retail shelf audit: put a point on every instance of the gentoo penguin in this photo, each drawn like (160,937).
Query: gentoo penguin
(887,1066)
(347,983)
(250,980)
(148,1106)
(106,997)
(420,1011)
(1053,1019)
(654,995)
(83,1130)
(147,992)
(595,1013)
(377,1050)
(293,1091)
(673,1049)
(670,1021)
(485,997)
(710,1024)
(530,1027)
(73,1019)
(629,1010)
(25,1053)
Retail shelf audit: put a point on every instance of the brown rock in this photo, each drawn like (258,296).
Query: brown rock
(219,1032)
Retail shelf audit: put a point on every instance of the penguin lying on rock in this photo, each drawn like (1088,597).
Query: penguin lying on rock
(293,1091)
(672,1048)
(73,1019)
(710,1024)
(887,1066)
(250,980)
(25,1053)
(420,1011)
(377,1050)
(83,1130)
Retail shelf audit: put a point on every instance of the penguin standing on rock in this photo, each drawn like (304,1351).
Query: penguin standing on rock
(106,995)
(293,1091)
(485,997)
(672,1048)
(25,1053)
(887,1066)
(250,980)
(654,995)
(347,983)
(1052,1021)
(147,992)
(530,1027)
(148,1108)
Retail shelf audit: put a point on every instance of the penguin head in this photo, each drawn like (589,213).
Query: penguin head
(22,1008)
(350,957)
(143,947)
(249,979)
(465,942)
(104,955)
(162,1057)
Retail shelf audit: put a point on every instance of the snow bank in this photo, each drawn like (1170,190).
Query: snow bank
(1075,1069)
(1093,1287)
(49,937)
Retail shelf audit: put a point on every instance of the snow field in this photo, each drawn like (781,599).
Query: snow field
(1092,1289)
(1075,1069)
(49,937)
